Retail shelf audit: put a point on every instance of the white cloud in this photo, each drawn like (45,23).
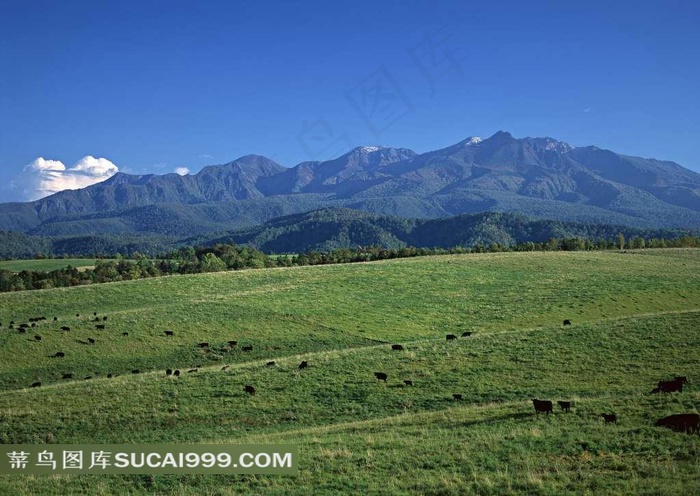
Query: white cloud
(183,171)
(44,177)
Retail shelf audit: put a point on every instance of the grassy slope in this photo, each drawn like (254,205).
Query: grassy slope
(635,318)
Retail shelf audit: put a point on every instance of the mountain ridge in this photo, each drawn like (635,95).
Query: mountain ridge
(540,177)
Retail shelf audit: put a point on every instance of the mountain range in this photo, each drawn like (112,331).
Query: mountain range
(537,177)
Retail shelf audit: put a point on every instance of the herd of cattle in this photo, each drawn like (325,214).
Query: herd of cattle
(683,422)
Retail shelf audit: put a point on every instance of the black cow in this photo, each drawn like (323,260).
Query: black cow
(12,322)
(94,313)
(271,364)
(67,376)
(77,315)
(22,330)
(59,354)
(191,370)
(37,337)
(176,373)
(450,337)
(669,386)
(203,345)
(565,405)
(169,372)
(397,347)
(457,397)
(91,341)
(65,328)
(408,382)
(135,371)
(466,334)
(566,322)
(681,422)
(303,365)
(36,384)
(225,367)
(55,319)
(109,376)
(232,343)
(381,376)
(681,378)
(169,333)
(248,347)
(104,318)
(249,389)
(125,333)
(87,378)
(542,406)
(610,418)
(99,327)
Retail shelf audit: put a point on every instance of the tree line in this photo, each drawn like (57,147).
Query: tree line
(222,257)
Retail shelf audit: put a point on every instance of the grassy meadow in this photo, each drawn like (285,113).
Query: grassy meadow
(47,264)
(635,320)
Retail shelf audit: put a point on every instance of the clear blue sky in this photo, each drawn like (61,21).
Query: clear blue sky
(156,85)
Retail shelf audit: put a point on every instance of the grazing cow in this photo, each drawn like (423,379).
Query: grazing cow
(610,418)
(176,373)
(225,367)
(466,334)
(232,343)
(55,319)
(191,370)
(169,333)
(33,324)
(249,389)
(77,315)
(248,347)
(22,330)
(670,386)
(97,319)
(303,365)
(565,405)
(12,322)
(203,345)
(125,333)
(542,406)
(381,376)
(408,382)
(450,337)
(94,313)
(109,376)
(681,378)
(397,347)
(24,326)
(135,371)
(99,327)
(37,337)
(681,422)
(91,341)
(87,378)
(59,354)
(566,322)
(169,372)
(104,318)
(36,384)
(65,328)
(11,326)
(271,364)
(457,397)
(67,376)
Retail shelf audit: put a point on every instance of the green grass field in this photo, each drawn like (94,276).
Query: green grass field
(48,264)
(635,320)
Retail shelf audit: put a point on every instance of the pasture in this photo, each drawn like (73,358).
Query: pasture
(47,264)
(635,319)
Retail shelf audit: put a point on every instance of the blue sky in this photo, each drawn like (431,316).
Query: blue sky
(151,87)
